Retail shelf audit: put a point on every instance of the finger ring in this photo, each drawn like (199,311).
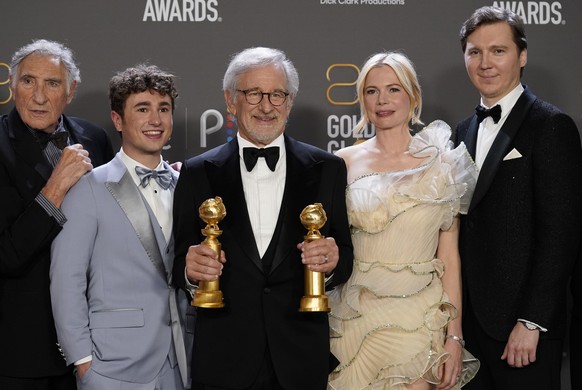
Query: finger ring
(325,259)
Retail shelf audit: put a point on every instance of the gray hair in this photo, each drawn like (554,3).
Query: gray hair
(47,48)
(257,57)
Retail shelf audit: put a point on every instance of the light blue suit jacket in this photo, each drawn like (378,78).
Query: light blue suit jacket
(111,287)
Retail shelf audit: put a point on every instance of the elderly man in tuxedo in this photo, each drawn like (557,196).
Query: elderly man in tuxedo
(259,339)
(116,310)
(521,235)
(43,152)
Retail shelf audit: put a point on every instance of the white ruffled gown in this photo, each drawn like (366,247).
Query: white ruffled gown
(387,321)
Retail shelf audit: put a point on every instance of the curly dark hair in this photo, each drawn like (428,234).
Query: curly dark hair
(140,78)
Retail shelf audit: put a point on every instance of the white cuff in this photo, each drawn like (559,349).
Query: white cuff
(328,279)
(532,325)
(190,287)
(84,360)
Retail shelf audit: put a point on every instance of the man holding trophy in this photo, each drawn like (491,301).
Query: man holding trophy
(261,336)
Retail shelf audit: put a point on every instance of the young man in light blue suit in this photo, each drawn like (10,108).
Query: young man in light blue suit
(116,311)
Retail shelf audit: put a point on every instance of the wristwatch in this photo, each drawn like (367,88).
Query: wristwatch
(529,325)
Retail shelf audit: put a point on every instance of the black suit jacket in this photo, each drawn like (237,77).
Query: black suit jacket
(575,321)
(27,332)
(261,309)
(521,235)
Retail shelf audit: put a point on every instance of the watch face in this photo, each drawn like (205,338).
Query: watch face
(529,326)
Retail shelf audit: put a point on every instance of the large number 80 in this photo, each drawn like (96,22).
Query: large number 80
(5,82)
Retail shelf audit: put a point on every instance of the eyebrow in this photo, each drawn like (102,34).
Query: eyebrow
(142,103)
(31,76)
(387,85)
(493,46)
(146,103)
(55,80)
(260,90)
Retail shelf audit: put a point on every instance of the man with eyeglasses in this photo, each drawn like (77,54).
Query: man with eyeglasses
(260,340)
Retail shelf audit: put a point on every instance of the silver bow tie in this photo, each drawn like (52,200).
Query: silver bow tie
(164,177)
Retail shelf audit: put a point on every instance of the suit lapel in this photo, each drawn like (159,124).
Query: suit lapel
(224,177)
(471,137)
(501,146)
(76,132)
(301,187)
(125,192)
(26,147)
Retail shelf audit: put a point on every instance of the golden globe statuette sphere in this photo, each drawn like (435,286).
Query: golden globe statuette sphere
(208,294)
(313,217)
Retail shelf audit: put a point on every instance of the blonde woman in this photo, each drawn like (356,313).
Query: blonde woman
(396,323)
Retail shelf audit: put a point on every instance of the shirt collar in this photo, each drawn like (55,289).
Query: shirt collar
(508,101)
(130,164)
(60,127)
(279,141)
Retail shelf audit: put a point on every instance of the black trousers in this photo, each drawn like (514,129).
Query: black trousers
(62,382)
(266,379)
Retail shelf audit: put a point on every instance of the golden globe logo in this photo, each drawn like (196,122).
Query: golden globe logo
(181,11)
(5,91)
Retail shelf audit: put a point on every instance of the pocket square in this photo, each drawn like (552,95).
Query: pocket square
(512,155)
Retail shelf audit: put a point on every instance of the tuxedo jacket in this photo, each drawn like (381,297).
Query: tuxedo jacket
(521,235)
(575,337)
(111,279)
(27,334)
(261,306)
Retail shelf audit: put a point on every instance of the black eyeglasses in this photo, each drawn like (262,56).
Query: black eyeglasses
(254,96)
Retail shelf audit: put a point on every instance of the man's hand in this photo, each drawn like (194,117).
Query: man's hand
(82,369)
(203,263)
(320,255)
(521,347)
(73,164)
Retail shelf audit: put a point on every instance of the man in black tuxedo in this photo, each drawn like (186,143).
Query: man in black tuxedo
(575,321)
(260,340)
(521,235)
(42,154)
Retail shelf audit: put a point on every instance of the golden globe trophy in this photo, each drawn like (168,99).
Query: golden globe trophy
(313,218)
(208,294)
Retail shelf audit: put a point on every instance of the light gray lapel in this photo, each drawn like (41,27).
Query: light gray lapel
(126,193)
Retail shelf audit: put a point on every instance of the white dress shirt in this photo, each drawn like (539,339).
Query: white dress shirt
(488,129)
(263,191)
(159,200)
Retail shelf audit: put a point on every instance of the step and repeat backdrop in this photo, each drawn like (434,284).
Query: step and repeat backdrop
(328,41)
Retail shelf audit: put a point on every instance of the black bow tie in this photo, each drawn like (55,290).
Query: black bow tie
(494,113)
(164,177)
(60,139)
(271,155)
